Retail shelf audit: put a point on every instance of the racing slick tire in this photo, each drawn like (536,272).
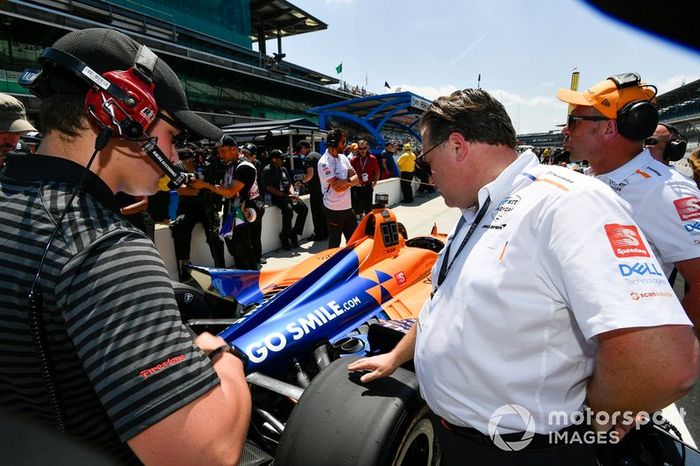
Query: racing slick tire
(341,421)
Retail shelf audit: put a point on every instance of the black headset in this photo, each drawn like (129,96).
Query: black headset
(676,145)
(636,120)
(333,137)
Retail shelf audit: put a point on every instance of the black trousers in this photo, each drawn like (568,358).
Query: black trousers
(362,197)
(340,222)
(458,448)
(188,217)
(240,247)
(288,209)
(245,245)
(318,216)
(406,189)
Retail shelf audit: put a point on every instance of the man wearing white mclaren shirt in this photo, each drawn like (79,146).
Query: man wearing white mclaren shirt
(336,176)
(607,127)
(529,306)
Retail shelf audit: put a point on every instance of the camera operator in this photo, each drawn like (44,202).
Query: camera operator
(198,207)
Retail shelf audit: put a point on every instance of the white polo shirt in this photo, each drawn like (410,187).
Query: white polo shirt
(541,276)
(334,167)
(665,204)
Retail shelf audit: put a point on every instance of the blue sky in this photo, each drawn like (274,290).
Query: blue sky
(524,50)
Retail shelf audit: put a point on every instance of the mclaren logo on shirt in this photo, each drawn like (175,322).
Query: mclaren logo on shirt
(626,241)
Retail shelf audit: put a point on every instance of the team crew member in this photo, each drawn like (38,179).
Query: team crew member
(667,144)
(367,169)
(607,127)
(313,185)
(407,166)
(13,124)
(336,176)
(239,187)
(529,305)
(255,201)
(278,185)
(127,378)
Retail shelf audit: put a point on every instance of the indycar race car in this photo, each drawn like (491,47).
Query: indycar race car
(298,328)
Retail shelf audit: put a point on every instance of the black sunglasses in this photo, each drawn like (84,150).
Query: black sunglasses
(572,119)
(651,141)
(181,139)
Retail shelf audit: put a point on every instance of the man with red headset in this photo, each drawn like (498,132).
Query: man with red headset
(104,355)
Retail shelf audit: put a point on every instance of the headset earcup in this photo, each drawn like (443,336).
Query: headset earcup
(675,149)
(125,120)
(637,120)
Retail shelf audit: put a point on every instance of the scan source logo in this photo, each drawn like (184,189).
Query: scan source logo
(511,410)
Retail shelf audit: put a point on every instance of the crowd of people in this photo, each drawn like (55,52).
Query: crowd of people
(535,302)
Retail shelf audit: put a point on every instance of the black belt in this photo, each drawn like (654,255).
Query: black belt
(538,441)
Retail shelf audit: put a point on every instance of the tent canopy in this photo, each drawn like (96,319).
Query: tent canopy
(400,110)
(260,129)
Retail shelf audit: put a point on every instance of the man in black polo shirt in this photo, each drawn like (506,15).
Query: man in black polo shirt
(87,310)
(313,186)
(239,188)
(278,185)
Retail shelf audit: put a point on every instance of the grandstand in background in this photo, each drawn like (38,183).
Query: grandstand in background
(209,44)
(679,107)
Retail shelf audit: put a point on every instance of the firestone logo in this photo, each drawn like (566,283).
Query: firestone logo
(510,410)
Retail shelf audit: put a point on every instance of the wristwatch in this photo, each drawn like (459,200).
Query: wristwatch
(229,349)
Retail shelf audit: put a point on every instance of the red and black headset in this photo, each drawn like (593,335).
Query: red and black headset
(121,103)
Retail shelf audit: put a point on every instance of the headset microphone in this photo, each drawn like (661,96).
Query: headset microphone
(176,175)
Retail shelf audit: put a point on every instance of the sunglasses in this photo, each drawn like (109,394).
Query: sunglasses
(572,119)
(422,156)
(181,138)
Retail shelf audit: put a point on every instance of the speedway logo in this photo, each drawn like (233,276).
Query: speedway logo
(400,278)
(626,241)
(639,268)
(688,208)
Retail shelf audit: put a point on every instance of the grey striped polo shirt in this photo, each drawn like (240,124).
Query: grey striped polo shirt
(123,358)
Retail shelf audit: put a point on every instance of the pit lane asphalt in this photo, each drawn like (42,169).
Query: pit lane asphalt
(418,217)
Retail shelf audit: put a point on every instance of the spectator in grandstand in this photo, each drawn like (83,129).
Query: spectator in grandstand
(666,144)
(387,164)
(126,377)
(367,169)
(13,124)
(407,167)
(313,187)
(607,127)
(282,194)
(337,176)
